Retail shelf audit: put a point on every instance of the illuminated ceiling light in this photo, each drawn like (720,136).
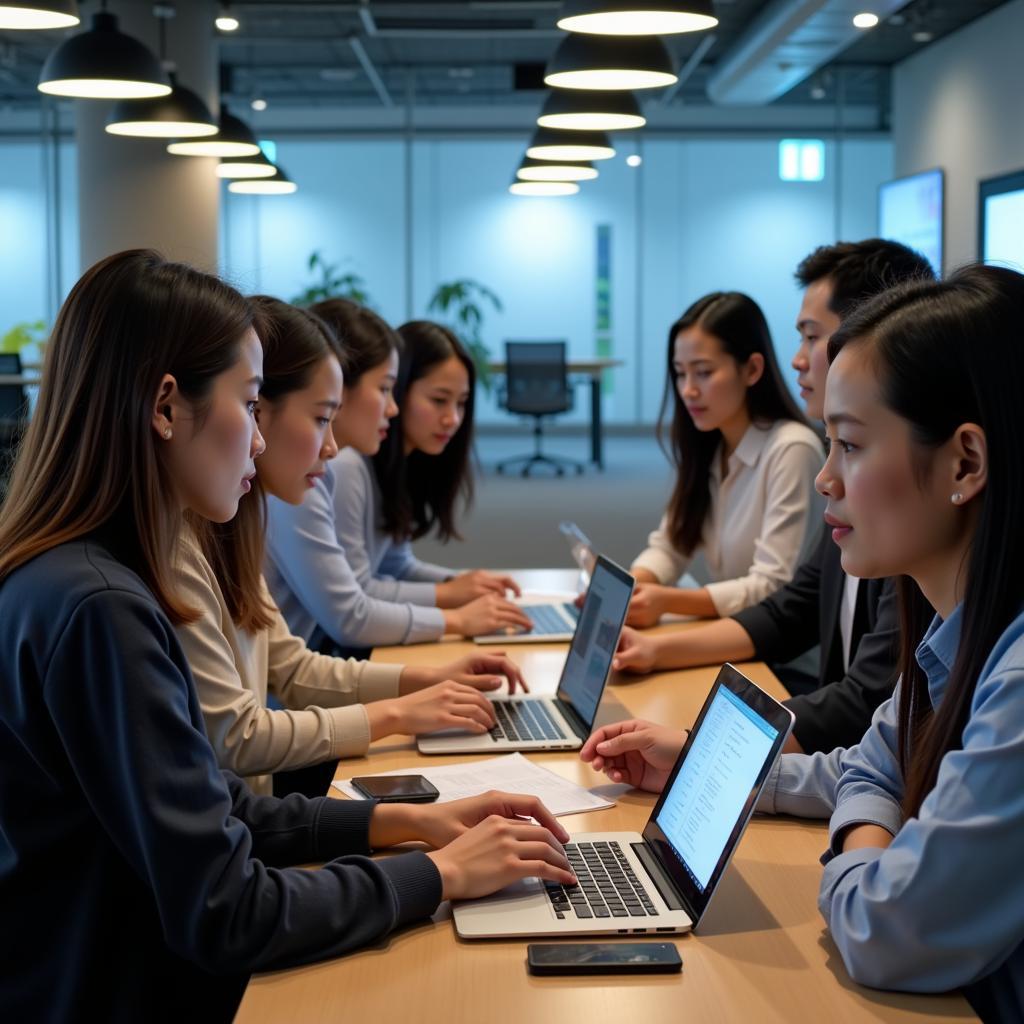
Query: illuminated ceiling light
(608,62)
(245,167)
(42,14)
(180,115)
(543,188)
(865,20)
(636,17)
(634,160)
(259,104)
(586,110)
(225,20)
(103,63)
(556,170)
(279,184)
(548,144)
(234,138)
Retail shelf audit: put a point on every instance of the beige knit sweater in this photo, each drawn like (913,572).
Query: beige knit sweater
(234,670)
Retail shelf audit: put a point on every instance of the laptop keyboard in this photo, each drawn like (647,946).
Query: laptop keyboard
(524,720)
(608,886)
(546,619)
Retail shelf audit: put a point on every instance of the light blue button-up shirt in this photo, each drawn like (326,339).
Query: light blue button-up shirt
(329,577)
(943,906)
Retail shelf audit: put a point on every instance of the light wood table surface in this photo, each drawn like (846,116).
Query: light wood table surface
(762,953)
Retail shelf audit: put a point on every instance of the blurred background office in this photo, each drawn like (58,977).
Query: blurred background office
(397,128)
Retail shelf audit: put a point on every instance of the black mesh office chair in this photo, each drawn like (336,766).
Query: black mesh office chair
(537,385)
(13,414)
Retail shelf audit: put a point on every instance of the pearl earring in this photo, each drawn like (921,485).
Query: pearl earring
(956,498)
(167,433)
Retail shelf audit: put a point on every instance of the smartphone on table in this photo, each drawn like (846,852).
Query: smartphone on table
(603,958)
(394,789)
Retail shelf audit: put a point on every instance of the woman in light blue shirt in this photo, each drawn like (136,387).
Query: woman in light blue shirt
(340,581)
(923,886)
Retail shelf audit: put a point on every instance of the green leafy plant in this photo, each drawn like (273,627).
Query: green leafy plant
(21,335)
(332,284)
(460,302)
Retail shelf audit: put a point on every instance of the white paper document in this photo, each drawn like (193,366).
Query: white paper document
(511,773)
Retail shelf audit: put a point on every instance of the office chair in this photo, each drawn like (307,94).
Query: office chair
(13,413)
(537,385)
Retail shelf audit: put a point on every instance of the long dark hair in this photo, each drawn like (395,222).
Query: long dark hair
(737,322)
(420,491)
(90,459)
(945,354)
(367,339)
(295,341)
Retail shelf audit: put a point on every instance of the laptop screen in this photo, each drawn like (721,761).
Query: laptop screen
(597,634)
(709,798)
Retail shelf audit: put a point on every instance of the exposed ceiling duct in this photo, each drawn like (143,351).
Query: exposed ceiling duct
(786,42)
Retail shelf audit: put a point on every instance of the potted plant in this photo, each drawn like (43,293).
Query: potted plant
(461,301)
(23,335)
(332,284)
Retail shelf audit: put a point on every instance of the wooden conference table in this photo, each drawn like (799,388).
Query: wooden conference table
(591,370)
(762,953)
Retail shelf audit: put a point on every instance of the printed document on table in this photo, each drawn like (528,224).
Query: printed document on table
(511,773)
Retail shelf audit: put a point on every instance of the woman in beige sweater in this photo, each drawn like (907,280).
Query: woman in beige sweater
(240,648)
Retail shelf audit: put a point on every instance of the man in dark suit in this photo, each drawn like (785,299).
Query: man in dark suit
(853,620)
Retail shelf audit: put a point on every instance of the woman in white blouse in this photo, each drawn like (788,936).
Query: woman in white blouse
(745,460)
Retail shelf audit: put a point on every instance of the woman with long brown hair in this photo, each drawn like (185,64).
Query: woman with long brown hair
(137,880)
(240,648)
(922,887)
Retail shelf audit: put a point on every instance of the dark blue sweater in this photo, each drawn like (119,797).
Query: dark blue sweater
(137,880)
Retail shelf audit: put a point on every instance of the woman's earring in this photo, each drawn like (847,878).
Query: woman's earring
(956,497)
(167,433)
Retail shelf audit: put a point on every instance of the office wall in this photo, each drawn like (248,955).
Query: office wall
(956,105)
(698,215)
(38,216)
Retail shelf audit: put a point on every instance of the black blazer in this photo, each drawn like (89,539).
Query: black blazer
(805,612)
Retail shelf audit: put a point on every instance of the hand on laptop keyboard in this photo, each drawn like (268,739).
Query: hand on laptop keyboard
(502,849)
(486,615)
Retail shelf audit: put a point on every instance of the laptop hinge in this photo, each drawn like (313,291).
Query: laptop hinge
(661,880)
(576,723)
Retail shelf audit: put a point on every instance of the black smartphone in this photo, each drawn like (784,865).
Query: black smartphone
(603,958)
(394,789)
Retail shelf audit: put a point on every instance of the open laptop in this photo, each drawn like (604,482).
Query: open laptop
(553,622)
(663,880)
(562,722)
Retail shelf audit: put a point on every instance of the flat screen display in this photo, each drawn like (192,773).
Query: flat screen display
(1001,221)
(910,212)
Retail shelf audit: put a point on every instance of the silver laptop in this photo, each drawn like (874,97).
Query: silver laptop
(562,722)
(553,622)
(663,880)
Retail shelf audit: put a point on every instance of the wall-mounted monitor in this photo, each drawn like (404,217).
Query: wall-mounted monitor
(1001,220)
(910,212)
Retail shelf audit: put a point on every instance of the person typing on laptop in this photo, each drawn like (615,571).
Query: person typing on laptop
(922,886)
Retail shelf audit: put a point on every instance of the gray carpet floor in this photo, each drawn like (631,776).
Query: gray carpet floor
(513,522)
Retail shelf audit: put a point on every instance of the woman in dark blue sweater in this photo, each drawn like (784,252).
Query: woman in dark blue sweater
(138,881)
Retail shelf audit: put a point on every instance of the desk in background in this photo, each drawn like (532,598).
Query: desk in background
(762,953)
(586,370)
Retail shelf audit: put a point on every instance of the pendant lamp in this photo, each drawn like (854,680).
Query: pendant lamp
(543,188)
(589,110)
(180,115)
(257,166)
(608,62)
(103,63)
(42,14)
(636,17)
(234,138)
(556,170)
(550,144)
(279,184)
